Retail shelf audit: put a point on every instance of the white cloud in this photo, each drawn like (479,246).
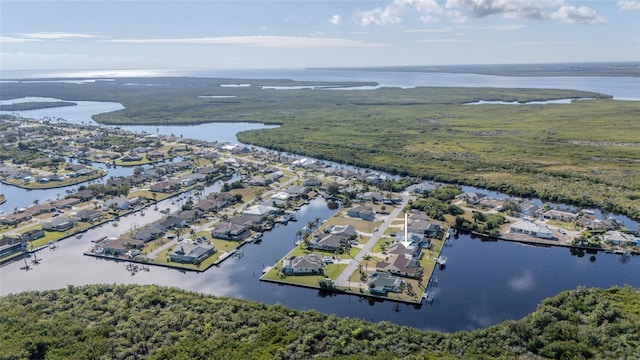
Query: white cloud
(258,41)
(443,30)
(335,20)
(628,5)
(504,27)
(517,9)
(57,36)
(6,40)
(523,282)
(578,15)
(393,13)
(444,41)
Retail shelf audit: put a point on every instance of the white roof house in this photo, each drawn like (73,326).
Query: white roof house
(531,228)
(261,210)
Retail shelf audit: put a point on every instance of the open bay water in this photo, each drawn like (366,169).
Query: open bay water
(484,282)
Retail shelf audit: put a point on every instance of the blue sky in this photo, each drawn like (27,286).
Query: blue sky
(40,35)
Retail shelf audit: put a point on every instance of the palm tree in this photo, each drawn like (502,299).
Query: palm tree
(366,259)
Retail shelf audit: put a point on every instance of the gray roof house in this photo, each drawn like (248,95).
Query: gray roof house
(362,212)
(230,231)
(381,283)
(192,253)
(305,264)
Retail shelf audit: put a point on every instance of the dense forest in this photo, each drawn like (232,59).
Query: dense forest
(134,321)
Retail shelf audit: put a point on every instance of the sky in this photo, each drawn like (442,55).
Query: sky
(267,34)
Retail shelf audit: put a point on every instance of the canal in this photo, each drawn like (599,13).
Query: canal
(483,283)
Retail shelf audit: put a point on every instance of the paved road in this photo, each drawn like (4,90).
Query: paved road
(343,278)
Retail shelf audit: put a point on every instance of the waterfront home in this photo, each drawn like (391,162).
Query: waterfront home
(400,265)
(131,157)
(164,186)
(591,223)
(310,264)
(261,210)
(620,238)
(14,219)
(119,203)
(361,212)
(58,224)
(209,170)
(370,196)
(41,209)
(428,228)
(189,215)
(88,215)
(472,198)
(84,195)
(531,228)
(528,208)
(192,253)
(171,222)
(559,215)
(329,242)
(33,234)
(10,245)
(121,245)
(248,220)
(382,282)
(149,233)
(344,231)
(295,191)
(412,249)
(191,179)
(487,203)
(230,231)
(66,203)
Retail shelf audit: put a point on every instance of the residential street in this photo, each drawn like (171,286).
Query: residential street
(343,278)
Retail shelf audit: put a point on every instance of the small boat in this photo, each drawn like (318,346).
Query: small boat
(441,260)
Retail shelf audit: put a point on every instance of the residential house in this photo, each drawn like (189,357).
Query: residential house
(531,228)
(33,234)
(261,210)
(13,219)
(400,265)
(428,228)
(58,224)
(118,203)
(248,220)
(41,209)
(382,282)
(10,245)
(121,245)
(88,215)
(412,249)
(370,196)
(165,186)
(472,198)
(149,233)
(189,215)
(312,183)
(191,179)
(620,238)
(171,222)
(192,253)
(362,212)
(591,223)
(529,209)
(559,215)
(329,242)
(66,203)
(344,231)
(295,191)
(305,264)
(230,231)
